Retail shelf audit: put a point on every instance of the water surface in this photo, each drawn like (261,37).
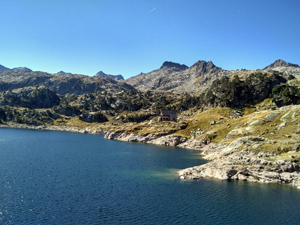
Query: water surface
(50,177)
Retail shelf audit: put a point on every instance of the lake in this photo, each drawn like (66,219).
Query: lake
(51,177)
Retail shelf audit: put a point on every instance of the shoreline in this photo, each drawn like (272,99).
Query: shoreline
(225,162)
(54,128)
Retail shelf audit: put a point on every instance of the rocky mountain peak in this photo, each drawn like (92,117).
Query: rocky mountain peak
(101,74)
(280,63)
(203,64)
(202,67)
(169,64)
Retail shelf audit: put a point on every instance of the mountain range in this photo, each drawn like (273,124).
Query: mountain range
(60,83)
(197,78)
(170,76)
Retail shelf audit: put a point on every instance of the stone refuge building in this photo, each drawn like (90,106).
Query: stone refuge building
(167,115)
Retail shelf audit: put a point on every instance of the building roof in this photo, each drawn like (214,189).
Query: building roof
(171,113)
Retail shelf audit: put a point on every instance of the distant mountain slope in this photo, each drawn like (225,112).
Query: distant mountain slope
(62,84)
(198,78)
(177,77)
(3,68)
(281,63)
(100,74)
(64,73)
(285,68)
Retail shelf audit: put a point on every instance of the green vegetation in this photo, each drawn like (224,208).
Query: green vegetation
(234,92)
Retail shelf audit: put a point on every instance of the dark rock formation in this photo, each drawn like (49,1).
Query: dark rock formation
(174,65)
(93,117)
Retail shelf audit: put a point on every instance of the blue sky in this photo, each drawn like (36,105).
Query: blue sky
(129,37)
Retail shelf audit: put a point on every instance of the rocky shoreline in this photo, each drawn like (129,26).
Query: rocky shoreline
(226,162)
(229,163)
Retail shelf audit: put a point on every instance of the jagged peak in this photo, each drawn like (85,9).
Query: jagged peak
(101,74)
(203,64)
(170,64)
(281,63)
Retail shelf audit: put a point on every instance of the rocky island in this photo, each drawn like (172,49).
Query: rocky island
(245,123)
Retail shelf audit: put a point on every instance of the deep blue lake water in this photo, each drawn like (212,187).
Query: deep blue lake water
(50,177)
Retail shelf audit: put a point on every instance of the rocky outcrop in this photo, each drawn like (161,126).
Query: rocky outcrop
(166,140)
(280,172)
(232,164)
(91,117)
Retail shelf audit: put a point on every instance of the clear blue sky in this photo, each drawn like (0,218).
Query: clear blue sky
(128,37)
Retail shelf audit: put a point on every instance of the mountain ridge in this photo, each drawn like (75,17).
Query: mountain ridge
(170,76)
(62,84)
(199,76)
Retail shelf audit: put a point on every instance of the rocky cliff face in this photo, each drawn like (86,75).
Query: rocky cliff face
(109,76)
